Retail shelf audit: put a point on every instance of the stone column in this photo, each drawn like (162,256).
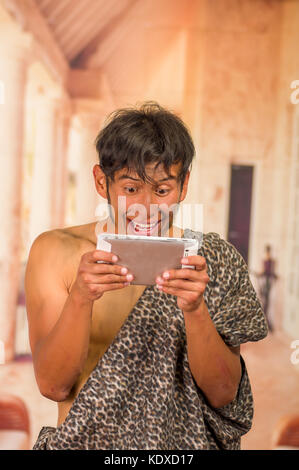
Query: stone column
(14,47)
(60,164)
(84,156)
(43,187)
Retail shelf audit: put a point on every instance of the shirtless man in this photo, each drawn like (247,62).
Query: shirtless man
(76,306)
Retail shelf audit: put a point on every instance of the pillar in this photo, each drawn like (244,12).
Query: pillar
(43,177)
(83,157)
(60,168)
(14,47)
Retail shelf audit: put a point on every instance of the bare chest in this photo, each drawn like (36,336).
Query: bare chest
(108,315)
(110,312)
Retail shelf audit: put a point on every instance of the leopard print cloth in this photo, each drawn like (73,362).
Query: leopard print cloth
(141,394)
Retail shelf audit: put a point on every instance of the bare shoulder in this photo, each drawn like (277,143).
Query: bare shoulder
(63,247)
(68,240)
(52,243)
(79,234)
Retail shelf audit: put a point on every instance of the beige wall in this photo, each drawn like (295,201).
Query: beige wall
(224,66)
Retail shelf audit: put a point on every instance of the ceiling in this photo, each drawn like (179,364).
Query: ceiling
(76,24)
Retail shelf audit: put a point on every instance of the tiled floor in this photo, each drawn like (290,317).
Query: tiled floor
(274,381)
(275,386)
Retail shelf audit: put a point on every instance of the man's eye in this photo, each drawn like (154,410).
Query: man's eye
(130,189)
(162,191)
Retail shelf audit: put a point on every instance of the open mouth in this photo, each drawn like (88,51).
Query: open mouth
(142,229)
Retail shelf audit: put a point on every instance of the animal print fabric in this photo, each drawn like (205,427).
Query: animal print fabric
(141,394)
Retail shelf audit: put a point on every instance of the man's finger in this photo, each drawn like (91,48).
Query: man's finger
(188,296)
(184,285)
(102,268)
(195,260)
(100,255)
(105,278)
(184,273)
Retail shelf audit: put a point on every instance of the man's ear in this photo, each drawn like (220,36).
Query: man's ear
(100,181)
(185,186)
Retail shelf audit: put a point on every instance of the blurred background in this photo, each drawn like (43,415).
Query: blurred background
(230,69)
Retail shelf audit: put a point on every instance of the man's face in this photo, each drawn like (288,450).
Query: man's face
(144,208)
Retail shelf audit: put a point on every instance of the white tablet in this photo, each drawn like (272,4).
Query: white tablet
(147,257)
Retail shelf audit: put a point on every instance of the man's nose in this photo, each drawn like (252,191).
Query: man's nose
(150,206)
(146,199)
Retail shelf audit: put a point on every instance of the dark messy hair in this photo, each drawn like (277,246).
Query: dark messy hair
(135,137)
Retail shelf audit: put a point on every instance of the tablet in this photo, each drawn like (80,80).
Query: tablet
(147,257)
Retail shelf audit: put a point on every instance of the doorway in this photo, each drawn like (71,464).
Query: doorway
(241,180)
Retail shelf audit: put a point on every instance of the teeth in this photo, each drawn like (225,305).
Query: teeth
(144,226)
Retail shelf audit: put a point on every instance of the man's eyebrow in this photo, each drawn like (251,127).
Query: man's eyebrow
(171,177)
(123,177)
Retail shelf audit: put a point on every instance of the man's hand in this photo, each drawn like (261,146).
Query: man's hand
(94,279)
(187,284)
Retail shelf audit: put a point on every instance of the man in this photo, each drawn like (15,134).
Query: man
(268,277)
(136,367)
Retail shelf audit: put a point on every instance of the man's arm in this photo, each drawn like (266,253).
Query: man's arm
(60,322)
(215,367)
